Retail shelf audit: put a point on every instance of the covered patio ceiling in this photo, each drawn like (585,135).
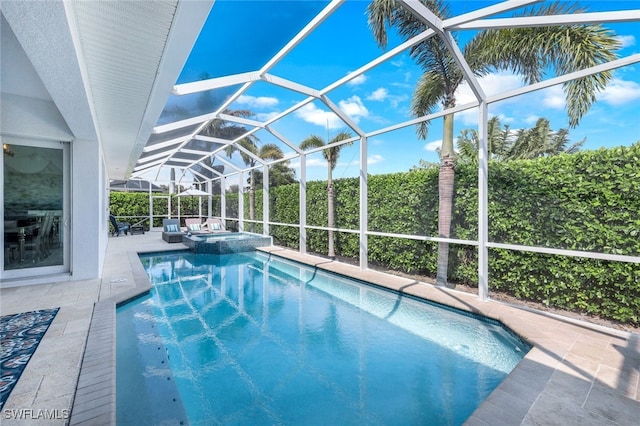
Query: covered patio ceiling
(242,62)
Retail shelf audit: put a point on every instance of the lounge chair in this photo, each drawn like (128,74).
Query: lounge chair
(195,226)
(213,225)
(119,227)
(171,231)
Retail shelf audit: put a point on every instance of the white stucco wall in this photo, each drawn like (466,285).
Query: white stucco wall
(35,119)
(86,207)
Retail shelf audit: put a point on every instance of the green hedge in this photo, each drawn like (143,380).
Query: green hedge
(586,201)
(134,206)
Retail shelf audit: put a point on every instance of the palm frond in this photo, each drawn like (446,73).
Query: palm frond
(430,90)
(564,49)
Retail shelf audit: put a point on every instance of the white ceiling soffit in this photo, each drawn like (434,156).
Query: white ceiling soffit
(43,32)
(133,52)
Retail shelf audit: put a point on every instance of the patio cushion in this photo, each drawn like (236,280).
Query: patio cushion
(172,228)
(216,226)
(194,227)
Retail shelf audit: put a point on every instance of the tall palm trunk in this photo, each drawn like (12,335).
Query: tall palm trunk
(330,215)
(446,181)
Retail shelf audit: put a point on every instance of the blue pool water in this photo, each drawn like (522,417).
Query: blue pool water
(250,339)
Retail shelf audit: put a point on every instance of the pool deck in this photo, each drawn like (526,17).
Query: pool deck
(576,374)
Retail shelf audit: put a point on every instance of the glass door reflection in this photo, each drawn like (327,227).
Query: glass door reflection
(33,207)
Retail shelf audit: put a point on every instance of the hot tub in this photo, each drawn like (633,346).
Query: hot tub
(233,242)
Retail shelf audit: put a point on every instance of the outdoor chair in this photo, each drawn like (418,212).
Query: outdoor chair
(119,227)
(171,231)
(195,226)
(215,226)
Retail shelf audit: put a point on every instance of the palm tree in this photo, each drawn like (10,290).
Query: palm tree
(266,152)
(504,145)
(222,129)
(526,51)
(280,173)
(331,155)
(541,141)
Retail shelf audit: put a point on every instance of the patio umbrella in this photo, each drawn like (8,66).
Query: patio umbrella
(192,192)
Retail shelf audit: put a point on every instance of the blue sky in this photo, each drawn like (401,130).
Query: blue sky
(381,97)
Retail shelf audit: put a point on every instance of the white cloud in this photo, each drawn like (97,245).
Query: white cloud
(553,97)
(531,119)
(316,162)
(257,102)
(432,146)
(375,159)
(620,92)
(354,108)
(381,94)
(311,162)
(504,119)
(378,95)
(266,116)
(627,40)
(491,84)
(311,114)
(358,80)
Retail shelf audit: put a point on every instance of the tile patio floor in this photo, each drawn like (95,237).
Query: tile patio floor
(576,374)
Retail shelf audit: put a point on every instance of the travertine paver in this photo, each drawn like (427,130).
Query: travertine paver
(575,375)
(44,394)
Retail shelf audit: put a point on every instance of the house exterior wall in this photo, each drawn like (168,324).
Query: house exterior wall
(36,119)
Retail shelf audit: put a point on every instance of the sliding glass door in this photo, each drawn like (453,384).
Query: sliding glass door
(35,212)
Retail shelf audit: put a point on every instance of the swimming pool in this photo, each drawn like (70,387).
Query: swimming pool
(252,339)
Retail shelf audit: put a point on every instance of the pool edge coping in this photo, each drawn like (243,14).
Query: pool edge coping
(94,402)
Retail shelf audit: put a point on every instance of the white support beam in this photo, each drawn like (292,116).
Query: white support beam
(344,117)
(565,78)
(159,156)
(415,121)
(193,152)
(166,144)
(621,16)
(290,110)
(374,63)
(241,120)
(265,200)
(331,145)
(283,139)
(215,83)
(241,202)
(303,204)
(227,163)
(308,29)
(291,85)
(571,253)
(148,166)
(200,119)
(212,170)
(209,198)
(223,200)
(251,155)
(364,206)
(427,17)
(212,139)
(196,174)
(483,202)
